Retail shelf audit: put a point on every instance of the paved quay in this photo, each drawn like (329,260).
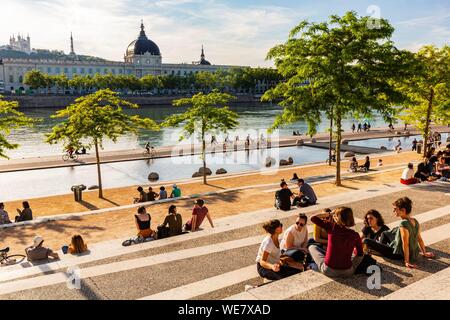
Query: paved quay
(226,257)
(46,162)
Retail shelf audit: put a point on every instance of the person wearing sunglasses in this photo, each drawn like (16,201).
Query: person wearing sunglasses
(295,241)
(268,261)
(338,260)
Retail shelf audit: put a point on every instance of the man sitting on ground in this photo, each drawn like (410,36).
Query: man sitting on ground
(306,196)
(4,217)
(366,165)
(199,212)
(142,196)
(151,195)
(37,252)
(283,197)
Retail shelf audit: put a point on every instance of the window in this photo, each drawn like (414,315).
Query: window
(74,70)
(58,70)
(81,70)
(173,72)
(49,70)
(97,70)
(165,71)
(129,71)
(185,73)
(11,78)
(113,71)
(105,71)
(179,72)
(66,70)
(90,70)
(120,71)
(20,79)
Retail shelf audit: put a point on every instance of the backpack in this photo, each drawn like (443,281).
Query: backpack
(277,200)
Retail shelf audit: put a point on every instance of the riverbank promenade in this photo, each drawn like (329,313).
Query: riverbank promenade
(45,162)
(239,204)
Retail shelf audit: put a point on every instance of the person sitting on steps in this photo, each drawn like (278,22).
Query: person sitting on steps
(199,213)
(77,245)
(143,224)
(142,196)
(284,196)
(373,226)
(268,260)
(338,261)
(173,222)
(320,235)
(306,195)
(37,252)
(402,242)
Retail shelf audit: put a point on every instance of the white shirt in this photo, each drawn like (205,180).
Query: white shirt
(300,237)
(268,246)
(408,174)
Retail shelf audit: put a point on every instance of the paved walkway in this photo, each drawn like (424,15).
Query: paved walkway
(226,256)
(168,151)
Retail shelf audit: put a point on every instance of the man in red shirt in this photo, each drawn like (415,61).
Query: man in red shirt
(199,212)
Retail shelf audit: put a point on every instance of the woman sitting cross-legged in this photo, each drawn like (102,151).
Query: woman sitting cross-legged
(268,260)
(143,220)
(373,226)
(402,242)
(338,261)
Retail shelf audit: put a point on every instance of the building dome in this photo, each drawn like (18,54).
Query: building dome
(142,45)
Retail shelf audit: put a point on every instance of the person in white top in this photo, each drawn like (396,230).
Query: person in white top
(408,175)
(296,236)
(268,260)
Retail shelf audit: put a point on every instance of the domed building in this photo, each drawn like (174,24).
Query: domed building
(142,57)
(144,54)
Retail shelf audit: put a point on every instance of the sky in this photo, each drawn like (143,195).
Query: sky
(233,32)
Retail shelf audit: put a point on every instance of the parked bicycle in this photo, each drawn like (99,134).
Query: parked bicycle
(68,156)
(6,260)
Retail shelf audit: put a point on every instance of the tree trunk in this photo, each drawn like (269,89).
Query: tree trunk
(427,124)
(331,137)
(99,174)
(338,149)
(204,156)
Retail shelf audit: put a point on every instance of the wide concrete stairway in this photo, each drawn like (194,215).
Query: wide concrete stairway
(218,263)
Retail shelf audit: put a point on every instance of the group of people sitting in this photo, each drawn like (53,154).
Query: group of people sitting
(305,196)
(355,167)
(436,165)
(152,195)
(335,249)
(173,223)
(24,214)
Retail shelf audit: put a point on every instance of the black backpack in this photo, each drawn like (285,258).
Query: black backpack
(277,200)
(163,232)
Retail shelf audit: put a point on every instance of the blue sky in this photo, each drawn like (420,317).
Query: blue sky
(233,32)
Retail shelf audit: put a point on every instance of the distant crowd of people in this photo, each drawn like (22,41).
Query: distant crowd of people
(435,166)
(151,195)
(365,126)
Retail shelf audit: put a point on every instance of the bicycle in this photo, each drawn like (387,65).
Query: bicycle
(150,152)
(7,260)
(68,156)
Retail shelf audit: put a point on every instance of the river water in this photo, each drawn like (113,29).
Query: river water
(253,120)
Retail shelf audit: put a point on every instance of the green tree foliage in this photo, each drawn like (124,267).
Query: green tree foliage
(206,113)
(428,90)
(11,118)
(94,117)
(339,68)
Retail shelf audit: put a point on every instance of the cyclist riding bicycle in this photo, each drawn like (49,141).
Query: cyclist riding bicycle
(70,151)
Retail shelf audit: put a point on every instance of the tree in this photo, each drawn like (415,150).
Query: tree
(35,79)
(93,118)
(343,65)
(206,113)
(428,90)
(10,118)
